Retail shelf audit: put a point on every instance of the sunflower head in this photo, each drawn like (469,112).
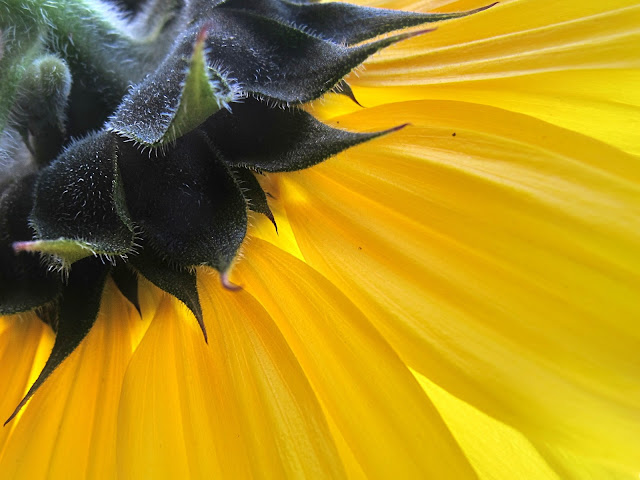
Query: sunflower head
(130,143)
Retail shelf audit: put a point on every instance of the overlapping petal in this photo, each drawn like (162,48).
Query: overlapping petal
(75,412)
(24,344)
(573,65)
(493,246)
(239,407)
(388,424)
(498,451)
(514,271)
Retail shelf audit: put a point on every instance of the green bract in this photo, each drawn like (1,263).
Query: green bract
(129,142)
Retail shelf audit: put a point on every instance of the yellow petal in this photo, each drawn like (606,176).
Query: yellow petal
(514,38)
(496,451)
(501,262)
(261,228)
(25,343)
(238,407)
(570,466)
(391,428)
(499,452)
(68,429)
(574,65)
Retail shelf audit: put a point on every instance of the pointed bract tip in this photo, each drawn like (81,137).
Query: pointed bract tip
(204,331)
(423,31)
(390,130)
(398,128)
(476,10)
(355,100)
(486,7)
(388,41)
(16,411)
(417,33)
(197,312)
(273,220)
(228,284)
(204,32)
(343,88)
(26,246)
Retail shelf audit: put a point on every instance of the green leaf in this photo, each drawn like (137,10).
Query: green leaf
(40,108)
(13,64)
(102,49)
(182,93)
(79,207)
(68,251)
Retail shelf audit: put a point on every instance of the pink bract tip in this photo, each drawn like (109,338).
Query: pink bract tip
(228,284)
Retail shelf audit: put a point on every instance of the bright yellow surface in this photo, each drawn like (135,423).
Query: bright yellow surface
(489,253)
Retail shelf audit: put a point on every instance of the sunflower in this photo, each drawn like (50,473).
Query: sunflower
(457,298)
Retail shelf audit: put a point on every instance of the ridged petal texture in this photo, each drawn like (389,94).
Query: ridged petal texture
(572,65)
(69,428)
(458,299)
(240,407)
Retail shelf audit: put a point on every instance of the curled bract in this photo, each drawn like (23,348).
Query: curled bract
(133,143)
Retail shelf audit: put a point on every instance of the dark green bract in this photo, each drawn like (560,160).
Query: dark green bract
(130,142)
